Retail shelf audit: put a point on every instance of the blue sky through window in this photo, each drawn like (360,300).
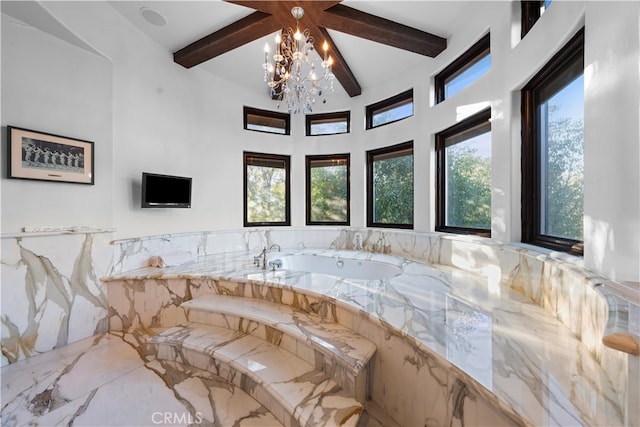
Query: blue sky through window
(570,99)
(467,76)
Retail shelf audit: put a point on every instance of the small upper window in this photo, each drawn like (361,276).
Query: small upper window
(267,121)
(328,124)
(531,12)
(390,110)
(465,70)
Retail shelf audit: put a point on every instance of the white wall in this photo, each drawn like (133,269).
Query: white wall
(612,135)
(168,119)
(51,86)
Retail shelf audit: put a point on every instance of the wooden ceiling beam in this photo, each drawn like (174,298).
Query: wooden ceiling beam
(340,68)
(364,25)
(241,32)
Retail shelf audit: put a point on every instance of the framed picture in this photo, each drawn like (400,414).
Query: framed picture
(46,157)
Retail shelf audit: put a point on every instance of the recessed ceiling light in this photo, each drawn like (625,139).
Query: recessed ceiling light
(153,17)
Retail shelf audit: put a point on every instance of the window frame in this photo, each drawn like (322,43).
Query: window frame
(247,111)
(471,122)
(308,160)
(310,118)
(559,67)
(387,104)
(371,154)
(530,13)
(468,58)
(275,157)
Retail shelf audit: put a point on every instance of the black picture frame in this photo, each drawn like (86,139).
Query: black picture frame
(47,157)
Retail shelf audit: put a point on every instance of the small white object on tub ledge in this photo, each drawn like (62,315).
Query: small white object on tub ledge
(170,259)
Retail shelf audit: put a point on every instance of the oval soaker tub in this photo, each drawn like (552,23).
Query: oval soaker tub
(349,268)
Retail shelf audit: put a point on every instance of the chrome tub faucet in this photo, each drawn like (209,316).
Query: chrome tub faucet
(262,256)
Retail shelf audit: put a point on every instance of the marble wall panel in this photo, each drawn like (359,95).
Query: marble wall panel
(134,253)
(51,292)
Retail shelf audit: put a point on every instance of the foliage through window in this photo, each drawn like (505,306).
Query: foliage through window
(328,124)
(390,110)
(267,121)
(390,186)
(327,187)
(465,70)
(463,182)
(266,189)
(553,158)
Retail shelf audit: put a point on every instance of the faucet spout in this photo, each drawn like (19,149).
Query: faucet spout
(262,256)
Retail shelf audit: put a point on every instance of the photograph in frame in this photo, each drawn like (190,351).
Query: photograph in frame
(47,157)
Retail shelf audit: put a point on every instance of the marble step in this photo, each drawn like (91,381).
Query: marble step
(331,347)
(294,391)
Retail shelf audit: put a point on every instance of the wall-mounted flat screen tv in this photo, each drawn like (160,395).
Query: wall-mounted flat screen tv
(165,191)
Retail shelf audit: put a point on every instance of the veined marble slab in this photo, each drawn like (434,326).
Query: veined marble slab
(51,292)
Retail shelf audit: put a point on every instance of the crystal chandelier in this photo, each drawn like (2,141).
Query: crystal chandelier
(291,73)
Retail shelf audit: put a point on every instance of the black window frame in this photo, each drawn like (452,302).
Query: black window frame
(388,104)
(247,111)
(246,156)
(469,123)
(319,158)
(561,68)
(464,61)
(371,154)
(311,118)
(530,13)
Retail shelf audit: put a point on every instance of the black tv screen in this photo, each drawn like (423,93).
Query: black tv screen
(165,191)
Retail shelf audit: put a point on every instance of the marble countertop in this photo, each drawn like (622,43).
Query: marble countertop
(515,353)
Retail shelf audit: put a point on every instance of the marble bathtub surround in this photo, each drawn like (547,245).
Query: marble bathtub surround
(453,345)
(115,380)
(555,281)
